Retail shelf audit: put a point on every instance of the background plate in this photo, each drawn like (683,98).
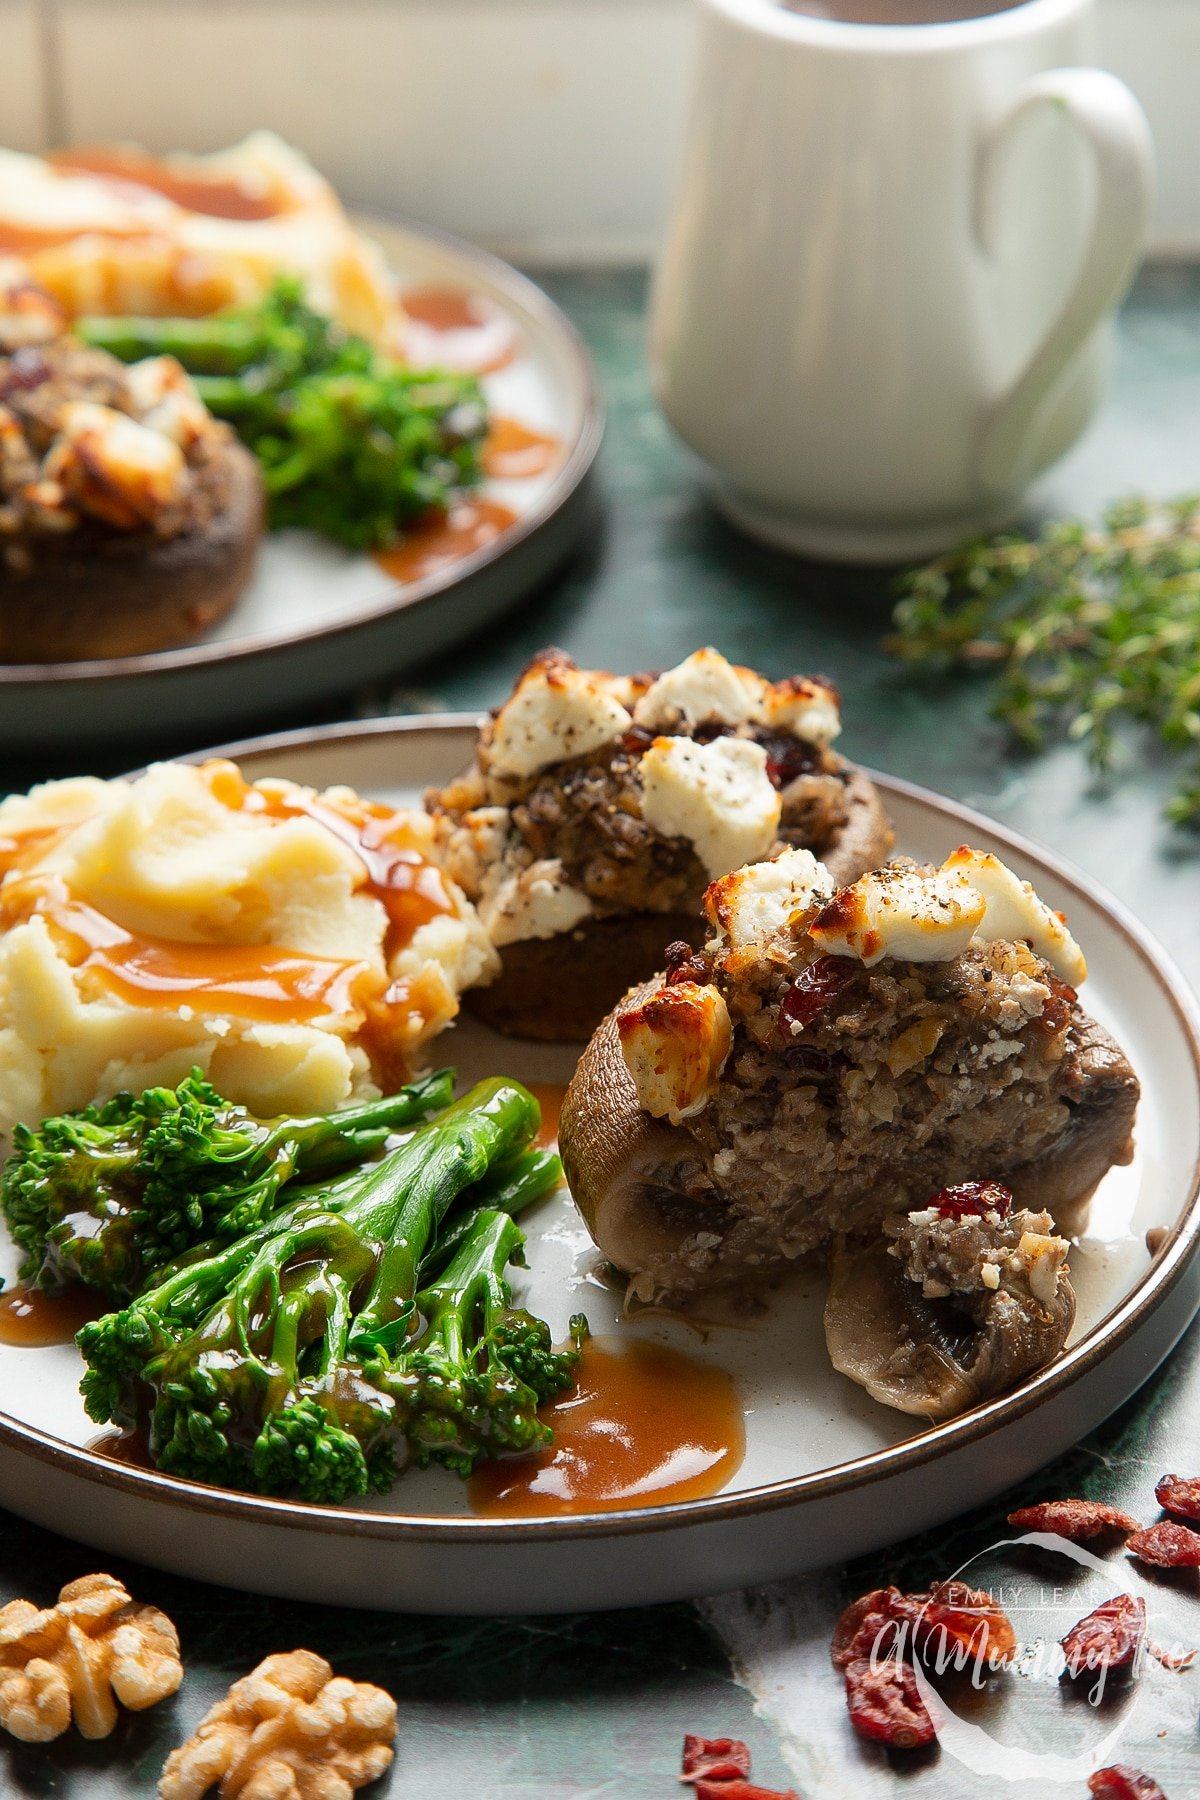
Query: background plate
(828,1473)
(318,619)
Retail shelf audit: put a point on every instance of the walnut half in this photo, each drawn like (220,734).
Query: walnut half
(77,1659)
(290,1730)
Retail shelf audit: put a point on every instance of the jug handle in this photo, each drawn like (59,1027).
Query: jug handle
(1102,108)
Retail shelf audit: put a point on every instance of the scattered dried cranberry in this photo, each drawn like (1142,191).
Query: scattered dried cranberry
(1179,1494)
(714,1759)
(1074,1520)
(686,964)
(740,1789)
(811,992)
(1166,1545)
(1169,1659)
(953,1625)
(26,368)
(1108,1638)
(1120,1782)
(718,1770)
(866,1628)
(885,1704)
(971,1199)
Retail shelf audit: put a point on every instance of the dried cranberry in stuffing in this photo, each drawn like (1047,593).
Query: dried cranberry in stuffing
(866,1628)
(1166,1545)
(971,1199)
(1074,1520)
(885,1704)
(1179,1494)
(637,740)
(686,964)
(1120,1782)
(811,992)
(714,1759)
(787,757)
(1057,1010)
(954,1625)
(1108,1638)
(26,368)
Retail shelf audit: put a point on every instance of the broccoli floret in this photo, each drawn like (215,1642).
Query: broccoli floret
(112,1193)
(281,1362)
(471,1384)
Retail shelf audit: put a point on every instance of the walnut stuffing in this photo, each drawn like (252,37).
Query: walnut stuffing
(76,1660)
(290,1730)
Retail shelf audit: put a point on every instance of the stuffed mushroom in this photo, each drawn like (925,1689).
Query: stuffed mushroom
(598,807)
(830,1059)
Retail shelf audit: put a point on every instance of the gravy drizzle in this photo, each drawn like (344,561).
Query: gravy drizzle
(643,1426)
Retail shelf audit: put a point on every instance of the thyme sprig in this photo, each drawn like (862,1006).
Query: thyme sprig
(1091,629)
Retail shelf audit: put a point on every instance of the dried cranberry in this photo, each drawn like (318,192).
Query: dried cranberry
(1109,1637)
(1166,1545)
(1120,1782)
(972,1199)
(812,991)
(866,1628)
(1176,1661)
(1179,1494)
(885,1704)
(686,964)
(1074,1520)
(714,1759)
(27,368)
(637,740)
(953,1625)
(739,1789)
(1057,1010)
(787,757)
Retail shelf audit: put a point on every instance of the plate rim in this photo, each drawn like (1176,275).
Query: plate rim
(1167,1269)
(395,598)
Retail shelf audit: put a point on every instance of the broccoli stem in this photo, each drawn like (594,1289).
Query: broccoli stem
(219,345)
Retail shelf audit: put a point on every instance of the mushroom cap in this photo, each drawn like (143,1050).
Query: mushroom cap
(613,1152)
(866,837)
(917,1356)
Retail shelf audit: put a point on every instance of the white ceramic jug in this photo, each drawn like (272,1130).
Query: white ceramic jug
(880,306)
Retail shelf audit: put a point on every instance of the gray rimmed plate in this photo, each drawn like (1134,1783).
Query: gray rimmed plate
(828,1473)
(318,619)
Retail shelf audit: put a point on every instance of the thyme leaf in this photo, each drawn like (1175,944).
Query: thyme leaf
(1088,632)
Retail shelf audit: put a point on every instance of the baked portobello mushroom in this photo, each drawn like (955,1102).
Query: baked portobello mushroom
(598,807)
(832,1058)
(129,517)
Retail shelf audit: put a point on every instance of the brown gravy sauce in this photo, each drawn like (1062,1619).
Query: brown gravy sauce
(131,1447)
(446,328)
(643,1426)
(33,1320)
(442,538)
(515,452)
(220,196)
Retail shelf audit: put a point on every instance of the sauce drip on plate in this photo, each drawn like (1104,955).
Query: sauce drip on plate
(33,1320)
(515,452)
(447,328)
(549,1096)
(220,196)
(131,1447)
(440,539)
(643,1426)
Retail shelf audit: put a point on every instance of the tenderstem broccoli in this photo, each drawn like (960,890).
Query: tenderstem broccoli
(110,1194)
(349,444)
(309,1357)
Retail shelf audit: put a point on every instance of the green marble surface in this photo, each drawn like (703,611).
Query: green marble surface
(596,1707)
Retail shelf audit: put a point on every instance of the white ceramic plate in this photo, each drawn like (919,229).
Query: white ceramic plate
(828,1473)
(319,619)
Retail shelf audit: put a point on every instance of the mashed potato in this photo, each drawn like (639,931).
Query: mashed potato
(299,947)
